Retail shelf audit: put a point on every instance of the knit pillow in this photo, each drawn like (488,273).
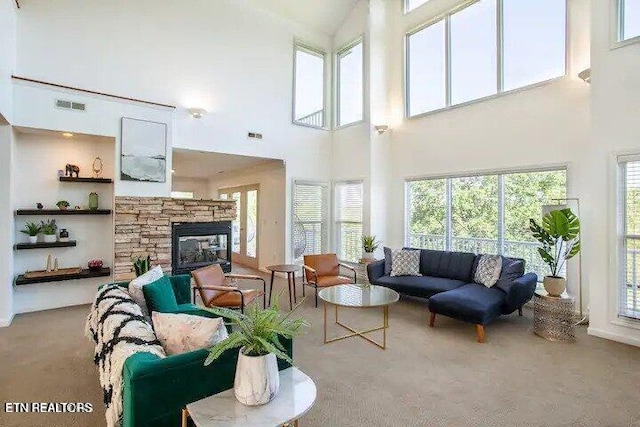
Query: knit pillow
(182,333)
(135,287)
(488,270)
(405,262)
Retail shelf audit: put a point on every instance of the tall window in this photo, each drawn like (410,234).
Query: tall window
(348,220)
(409,5)
(483,213)
(350,84)
(629,252)
(485,48)
(308,107)
(628,19)
(309,235)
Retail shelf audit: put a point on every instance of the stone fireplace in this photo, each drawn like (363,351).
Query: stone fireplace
(144,226)
(198,244)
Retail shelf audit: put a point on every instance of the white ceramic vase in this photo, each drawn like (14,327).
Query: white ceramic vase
(257,379)
(554,286)
(33,239)
(368,256)
(50,238)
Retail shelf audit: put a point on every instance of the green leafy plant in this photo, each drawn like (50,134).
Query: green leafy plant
(559,235)
(369,243)
(48,227)
(258,331)
(63,204)
(31,229)
(141,265)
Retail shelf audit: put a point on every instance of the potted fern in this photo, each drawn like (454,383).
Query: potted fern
(49,229)
(32,230)
(257,333)
(559,235)
(369,245)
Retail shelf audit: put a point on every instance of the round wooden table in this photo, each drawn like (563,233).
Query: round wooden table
(290,270)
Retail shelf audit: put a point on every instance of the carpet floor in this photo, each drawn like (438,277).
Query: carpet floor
(427,376)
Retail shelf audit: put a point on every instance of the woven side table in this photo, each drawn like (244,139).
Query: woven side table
(554,317)
(362,278)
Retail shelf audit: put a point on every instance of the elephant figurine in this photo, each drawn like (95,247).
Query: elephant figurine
(70,169)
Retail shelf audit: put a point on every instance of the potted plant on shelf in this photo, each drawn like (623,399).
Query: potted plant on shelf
(559,235)
(49,229)
(63,205)
(257,333)
(32,230)
(141,265)
(369,245)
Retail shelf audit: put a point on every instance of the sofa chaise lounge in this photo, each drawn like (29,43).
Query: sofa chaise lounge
(447,281)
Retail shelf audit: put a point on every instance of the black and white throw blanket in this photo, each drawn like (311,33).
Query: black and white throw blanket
(119,329)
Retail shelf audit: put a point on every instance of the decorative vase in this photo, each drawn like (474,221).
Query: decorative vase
(93,201)
(257,379)
(33,239)
(50,238)
(554,285)
(64,235)
(369,256)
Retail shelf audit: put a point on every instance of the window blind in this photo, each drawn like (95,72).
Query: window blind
(309,219)
(348,220)
(629,303)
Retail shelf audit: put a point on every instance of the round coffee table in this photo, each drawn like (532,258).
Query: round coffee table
(358,296)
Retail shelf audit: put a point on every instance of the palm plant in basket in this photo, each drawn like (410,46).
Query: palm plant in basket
(257,333)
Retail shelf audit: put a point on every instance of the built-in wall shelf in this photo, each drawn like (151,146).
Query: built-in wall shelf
(86,179)
(63,212)
(43,245)
(84,274)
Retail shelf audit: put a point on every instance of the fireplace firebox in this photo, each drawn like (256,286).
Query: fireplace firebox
(198,244)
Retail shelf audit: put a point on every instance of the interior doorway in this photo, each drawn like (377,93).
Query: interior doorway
(244,229)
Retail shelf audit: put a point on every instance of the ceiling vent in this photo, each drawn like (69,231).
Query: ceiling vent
(69,105)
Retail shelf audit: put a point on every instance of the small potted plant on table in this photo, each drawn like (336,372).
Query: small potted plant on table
(32,230)
(369,245)
(559,235)
(63,205)
(49,229)
(257,335)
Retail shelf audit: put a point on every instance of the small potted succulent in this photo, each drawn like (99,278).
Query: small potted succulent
(49,229)
(63,205)
(32,230)
(369,245)
(141,265)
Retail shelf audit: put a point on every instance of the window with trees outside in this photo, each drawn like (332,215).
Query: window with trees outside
(350,84)
(628,19)
(482,213)
(629,242)
(310,225)
(485,48)
(348,199)
(308,106)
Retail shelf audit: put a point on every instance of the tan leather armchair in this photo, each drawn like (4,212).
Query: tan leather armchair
(214,292)
(321,271)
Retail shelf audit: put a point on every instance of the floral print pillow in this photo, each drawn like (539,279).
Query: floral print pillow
(182,333)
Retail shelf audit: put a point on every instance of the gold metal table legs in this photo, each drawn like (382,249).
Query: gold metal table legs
(354,332)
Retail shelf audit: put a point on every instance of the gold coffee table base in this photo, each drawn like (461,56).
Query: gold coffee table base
(356,333)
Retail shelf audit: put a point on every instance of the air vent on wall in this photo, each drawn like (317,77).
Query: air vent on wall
(69,105)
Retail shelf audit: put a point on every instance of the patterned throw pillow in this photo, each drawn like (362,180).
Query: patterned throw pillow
(405,262)
(488,270)
(135,287)
(182,333)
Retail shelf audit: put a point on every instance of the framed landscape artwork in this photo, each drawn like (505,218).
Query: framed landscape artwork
(143,151)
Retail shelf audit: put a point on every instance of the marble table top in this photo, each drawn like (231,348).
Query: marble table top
(296,396)
(359,296)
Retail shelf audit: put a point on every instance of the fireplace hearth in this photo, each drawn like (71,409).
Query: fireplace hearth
(198,244)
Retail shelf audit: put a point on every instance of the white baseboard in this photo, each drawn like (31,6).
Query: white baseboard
(613,336)
(6,321)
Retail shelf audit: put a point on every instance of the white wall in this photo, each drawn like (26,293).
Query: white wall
(8,35)
(272,202)
(614,112)
(7,148)
(199,187)
(40,156)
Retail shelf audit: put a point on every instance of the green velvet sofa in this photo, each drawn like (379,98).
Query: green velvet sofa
(156,389)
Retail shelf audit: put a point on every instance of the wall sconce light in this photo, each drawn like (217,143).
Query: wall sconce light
(381,128)
(585,75)
(197,113)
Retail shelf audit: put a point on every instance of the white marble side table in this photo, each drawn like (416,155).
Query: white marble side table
(296,396)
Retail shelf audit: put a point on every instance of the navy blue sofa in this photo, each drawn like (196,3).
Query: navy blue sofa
(447,281)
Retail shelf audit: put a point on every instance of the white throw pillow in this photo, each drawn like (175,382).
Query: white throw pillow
(405,262)
(182,333)
(488,270)
(135,287)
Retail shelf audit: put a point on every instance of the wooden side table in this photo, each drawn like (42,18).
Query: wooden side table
(290,270)
(554,318)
